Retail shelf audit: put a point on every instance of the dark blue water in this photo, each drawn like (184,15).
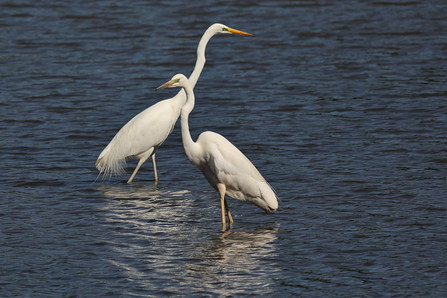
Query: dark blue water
(341,106)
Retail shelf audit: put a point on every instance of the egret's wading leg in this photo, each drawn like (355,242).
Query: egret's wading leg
(155,168)
(221,188)
(142,160)
(230,219)
(228,212)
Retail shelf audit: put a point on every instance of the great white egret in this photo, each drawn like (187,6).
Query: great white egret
(226,168)
(145,132)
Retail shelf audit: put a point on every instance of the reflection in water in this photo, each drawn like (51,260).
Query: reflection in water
(147,207)
(159,240)
(235,262)
(137,192)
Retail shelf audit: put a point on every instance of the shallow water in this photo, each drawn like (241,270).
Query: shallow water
(340,106)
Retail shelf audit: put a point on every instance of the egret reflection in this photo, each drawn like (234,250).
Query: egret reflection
(226,264)
(161,235)
(138,192)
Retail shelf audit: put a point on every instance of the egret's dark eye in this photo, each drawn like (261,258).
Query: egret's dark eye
(224,29)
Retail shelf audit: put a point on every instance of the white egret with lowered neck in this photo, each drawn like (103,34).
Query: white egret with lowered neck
(225,167)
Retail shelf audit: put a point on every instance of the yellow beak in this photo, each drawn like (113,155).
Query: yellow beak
(234,31)
(165,85)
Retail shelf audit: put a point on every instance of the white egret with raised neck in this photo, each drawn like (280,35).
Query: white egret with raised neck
(143,134)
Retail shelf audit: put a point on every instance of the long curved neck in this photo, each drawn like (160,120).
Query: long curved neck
(188,143)
(200,62)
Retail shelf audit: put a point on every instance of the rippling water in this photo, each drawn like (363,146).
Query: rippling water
(341,106)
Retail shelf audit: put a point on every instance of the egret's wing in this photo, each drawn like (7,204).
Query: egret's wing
(146,130)
(228,165)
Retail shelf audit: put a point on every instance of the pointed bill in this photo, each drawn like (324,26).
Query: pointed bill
(165,85)
(234,31)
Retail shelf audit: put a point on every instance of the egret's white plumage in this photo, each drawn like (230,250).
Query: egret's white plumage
(225,167)
(144,133)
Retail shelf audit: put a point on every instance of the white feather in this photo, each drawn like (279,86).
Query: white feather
(225,163)
(220,161)
(141,136)
(144,133)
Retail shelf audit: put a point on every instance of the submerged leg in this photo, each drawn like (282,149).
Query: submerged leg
(142,160)
(136,170)
(228,211)
(155,168)
(221,188)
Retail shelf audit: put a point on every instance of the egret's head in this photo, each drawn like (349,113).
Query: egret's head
(222,29)
(178,80)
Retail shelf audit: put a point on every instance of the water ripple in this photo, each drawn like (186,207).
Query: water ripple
(341,106)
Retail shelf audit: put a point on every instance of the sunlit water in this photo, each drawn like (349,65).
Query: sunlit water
(342,107)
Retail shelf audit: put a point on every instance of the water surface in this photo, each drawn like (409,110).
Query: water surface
(341,106)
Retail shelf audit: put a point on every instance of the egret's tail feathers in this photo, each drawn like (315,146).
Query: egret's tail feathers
(259,202)
(98,162)
(264,197)
(109,167)
(269,196)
